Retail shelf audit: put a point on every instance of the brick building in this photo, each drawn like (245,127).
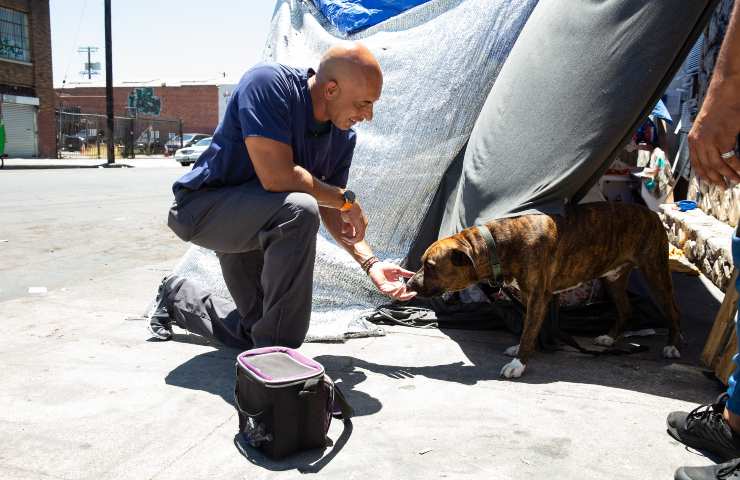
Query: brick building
(26,90)
(200,107)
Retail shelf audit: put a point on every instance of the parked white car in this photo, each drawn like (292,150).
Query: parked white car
(188,140)
(189,155)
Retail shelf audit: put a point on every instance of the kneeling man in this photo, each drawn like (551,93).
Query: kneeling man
(278,164)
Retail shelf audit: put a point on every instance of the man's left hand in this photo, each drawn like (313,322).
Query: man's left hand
(388,277)
(354,224)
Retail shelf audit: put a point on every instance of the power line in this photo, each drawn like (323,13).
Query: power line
(77,35)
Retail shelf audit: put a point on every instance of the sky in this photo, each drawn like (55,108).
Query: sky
(160,39)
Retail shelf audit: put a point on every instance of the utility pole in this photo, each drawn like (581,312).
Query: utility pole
(109,84)
(89,67)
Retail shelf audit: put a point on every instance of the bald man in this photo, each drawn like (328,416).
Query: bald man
(278,164)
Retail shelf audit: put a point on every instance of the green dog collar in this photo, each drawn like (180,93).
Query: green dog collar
(493,260)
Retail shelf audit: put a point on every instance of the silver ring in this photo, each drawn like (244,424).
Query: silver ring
(727,155)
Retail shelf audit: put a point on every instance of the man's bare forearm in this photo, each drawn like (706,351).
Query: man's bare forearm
(360,251)
(298,179)
(274,166)
(724,87)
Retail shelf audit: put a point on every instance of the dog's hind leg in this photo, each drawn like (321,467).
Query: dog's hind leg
(537,304)
(617,289)
(658,275)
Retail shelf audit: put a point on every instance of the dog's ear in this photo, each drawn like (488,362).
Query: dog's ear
(461,257)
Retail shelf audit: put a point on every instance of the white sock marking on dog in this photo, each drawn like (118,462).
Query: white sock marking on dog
(512,351)
(604,341)
(670,351)
(513,369)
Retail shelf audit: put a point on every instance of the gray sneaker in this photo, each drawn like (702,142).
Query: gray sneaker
(724,471)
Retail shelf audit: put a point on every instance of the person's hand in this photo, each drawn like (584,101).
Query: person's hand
(713,133)
(388,278)
(354,224)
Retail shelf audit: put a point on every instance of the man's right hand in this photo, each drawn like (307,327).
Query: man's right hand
(714,132)
(354,225)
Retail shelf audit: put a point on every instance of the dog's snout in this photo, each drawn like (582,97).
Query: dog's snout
(415,283)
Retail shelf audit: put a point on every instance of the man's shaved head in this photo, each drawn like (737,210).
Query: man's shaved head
(348,59)
(347,84)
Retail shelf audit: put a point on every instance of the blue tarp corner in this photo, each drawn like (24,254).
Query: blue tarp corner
(351,16)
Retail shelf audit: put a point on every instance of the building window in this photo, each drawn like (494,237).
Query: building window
(14,35)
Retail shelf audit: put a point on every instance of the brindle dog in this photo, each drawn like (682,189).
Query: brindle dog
(546,254)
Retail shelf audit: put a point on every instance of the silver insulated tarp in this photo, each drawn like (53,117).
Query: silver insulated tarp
(575,77)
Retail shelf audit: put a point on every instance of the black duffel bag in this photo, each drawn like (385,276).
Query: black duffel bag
(285,401)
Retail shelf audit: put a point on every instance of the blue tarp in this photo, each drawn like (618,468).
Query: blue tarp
(350,16)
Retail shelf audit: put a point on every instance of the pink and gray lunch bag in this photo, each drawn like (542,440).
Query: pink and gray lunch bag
(285,401)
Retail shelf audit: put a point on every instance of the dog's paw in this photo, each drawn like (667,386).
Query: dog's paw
(512,351)
(513,369)
(670,351)
(604,341)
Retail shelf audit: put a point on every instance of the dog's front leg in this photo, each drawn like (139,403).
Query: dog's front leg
(536,310)
(513,351)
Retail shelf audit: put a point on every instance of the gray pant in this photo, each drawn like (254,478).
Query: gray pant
(266,245)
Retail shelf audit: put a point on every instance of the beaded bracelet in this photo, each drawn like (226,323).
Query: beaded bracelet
(369,263)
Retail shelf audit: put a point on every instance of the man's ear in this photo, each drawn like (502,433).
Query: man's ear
(461,257)
(331,89)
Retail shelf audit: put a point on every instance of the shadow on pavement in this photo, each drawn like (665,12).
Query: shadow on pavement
(213,372)
(645,372)
(309,461)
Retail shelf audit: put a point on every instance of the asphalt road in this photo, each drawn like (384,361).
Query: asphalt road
(63,226)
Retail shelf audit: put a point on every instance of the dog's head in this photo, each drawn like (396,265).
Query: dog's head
(447,266)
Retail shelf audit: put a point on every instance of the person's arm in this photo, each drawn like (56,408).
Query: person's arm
(276,171)
(715,129)
(662,133)
(273,163)
(387,277)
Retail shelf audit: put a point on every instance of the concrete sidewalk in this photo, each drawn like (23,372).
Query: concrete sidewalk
(86,396)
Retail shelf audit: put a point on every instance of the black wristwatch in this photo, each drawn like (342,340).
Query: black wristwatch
(349,200)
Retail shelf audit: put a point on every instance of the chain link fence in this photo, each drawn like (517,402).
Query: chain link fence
(82,135)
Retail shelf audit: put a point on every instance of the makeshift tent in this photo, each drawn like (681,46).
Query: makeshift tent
(489,108)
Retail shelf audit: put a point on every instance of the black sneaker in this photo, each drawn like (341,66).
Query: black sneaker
(704,428)
(724,471)
(160,323)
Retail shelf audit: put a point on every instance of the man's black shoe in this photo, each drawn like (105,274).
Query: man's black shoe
(160,322)
(724,471)
(705,428)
